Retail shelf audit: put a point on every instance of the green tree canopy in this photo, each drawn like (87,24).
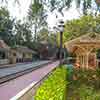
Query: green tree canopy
(23,34)
(37,17)
(6,26)
(77,27)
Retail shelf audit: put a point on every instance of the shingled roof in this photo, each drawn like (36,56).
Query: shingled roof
(90,39)
(24,49)
(3,45)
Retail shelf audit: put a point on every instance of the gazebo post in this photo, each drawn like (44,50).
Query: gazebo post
(95,60)
(87,56)
(83,65)
(82,61)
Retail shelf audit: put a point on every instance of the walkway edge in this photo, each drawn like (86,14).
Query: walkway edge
(20,94)
(29,91)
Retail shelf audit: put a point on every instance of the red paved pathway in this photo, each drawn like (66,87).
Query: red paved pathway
(11,88)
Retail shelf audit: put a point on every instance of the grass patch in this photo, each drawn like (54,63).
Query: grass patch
(54,87)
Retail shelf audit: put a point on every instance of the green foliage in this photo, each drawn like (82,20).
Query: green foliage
(6,26)
(88,93)
(23,33)
(37,17)
(84,25)
(98,72)
(85,5)
(85,86)
(36,9)
(14,32)
(54,87)
(42,35)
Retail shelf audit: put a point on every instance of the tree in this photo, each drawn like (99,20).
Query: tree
(85,6)
(42,35)
(77,27)
(37,16)
(23,34)
(6,26)
(58,5)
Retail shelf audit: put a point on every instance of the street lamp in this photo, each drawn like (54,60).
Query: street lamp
(60,28)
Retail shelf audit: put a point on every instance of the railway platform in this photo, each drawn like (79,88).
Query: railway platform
(11,88)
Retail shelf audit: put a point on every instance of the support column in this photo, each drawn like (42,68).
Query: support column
(87,56)
(82,61)
(77,59)
(95,57)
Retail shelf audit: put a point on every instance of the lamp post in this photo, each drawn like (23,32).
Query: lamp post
(61,29)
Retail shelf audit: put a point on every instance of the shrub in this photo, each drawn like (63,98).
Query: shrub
(86,87)
(88,93)
(54,87)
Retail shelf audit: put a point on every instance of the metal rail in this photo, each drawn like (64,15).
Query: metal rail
(21,73)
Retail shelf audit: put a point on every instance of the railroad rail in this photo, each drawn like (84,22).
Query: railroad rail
(20,73)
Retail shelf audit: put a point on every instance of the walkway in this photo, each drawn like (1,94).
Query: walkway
(11,88)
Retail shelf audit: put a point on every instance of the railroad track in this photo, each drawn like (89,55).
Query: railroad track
(18,74)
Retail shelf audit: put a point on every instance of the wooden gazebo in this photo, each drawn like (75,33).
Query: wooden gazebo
(84,48)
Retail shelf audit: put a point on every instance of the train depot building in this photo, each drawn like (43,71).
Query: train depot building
(14,55)
(21,54)
(4,53)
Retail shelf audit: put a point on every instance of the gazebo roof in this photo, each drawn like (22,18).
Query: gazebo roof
(90,39)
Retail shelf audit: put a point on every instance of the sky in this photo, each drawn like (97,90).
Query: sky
(20,11)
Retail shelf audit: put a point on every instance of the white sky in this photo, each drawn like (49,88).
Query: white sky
(21,11)
(68,15)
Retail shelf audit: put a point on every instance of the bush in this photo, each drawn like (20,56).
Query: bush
(54,87)
(88,93)
(86,87)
